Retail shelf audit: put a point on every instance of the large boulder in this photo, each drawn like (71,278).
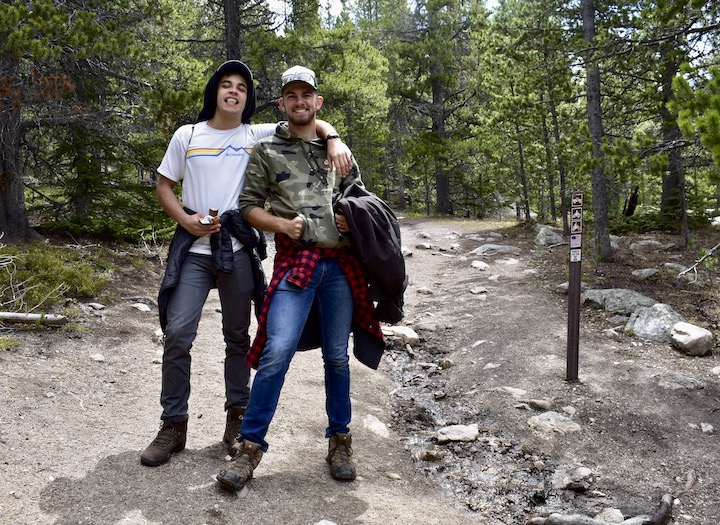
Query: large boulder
(692,340)
(653,322)
(546,236)
(617,300)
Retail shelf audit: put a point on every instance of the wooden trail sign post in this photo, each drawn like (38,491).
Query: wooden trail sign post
(573,333)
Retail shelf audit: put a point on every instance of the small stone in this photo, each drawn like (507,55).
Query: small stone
(645,273)
(99,358)
(610,515)
(480,265)
(458,433)
(569,410)
(376,426)
(517,393)
(402,333)
(140,307)
(540,404)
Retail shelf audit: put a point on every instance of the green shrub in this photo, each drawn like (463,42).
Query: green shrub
(37,274)
(648,219)
(8,343)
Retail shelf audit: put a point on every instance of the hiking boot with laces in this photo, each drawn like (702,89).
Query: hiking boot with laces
(240,469)
(233,421)
(170,439)
(339,457)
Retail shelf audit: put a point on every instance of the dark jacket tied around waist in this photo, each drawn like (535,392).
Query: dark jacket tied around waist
(233,225)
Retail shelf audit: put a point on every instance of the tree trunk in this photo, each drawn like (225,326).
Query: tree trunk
(603,247)
(564,197)
(234,44)
(673,203)
(14,224)
(443,204)
(549,171)
(522,176)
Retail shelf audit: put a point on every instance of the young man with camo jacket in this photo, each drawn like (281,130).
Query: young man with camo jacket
(314,268)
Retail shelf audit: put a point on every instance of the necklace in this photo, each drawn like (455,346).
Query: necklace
(315,169)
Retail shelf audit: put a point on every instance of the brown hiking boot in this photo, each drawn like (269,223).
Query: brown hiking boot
(240,469)
(339,457)
(232,426)
(170,439)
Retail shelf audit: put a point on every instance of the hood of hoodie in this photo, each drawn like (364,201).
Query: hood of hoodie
(210,100)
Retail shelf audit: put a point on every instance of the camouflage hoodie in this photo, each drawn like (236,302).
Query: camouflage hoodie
(291,175)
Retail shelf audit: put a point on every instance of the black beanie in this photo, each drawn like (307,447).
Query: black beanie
(210,102)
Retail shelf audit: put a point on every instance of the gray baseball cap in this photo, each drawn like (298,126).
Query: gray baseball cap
(299,74)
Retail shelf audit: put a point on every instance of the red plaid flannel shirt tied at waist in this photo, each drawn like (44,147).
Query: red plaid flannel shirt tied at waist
(299,263)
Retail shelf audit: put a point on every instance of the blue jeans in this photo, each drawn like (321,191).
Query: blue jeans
(289,309)
(197,277)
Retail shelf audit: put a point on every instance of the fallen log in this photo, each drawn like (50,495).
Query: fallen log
(661,517)
(44,319)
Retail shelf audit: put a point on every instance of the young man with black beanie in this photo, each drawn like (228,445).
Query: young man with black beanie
(209,159)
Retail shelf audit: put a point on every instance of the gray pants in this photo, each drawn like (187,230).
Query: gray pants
(197,278)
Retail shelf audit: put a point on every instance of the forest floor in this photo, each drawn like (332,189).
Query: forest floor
(78,410)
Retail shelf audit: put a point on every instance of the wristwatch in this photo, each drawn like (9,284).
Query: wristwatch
(331,136)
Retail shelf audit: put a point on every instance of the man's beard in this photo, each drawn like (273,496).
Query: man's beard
(302,118)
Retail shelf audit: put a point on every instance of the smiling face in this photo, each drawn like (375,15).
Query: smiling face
(300,103)
(231,97)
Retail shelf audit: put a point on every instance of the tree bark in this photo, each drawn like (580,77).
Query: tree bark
(443,204)
(603,247)
(234,44)
(564,197)
(673,203)
(14,224)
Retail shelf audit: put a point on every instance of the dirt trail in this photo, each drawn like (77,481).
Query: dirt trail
(76,414)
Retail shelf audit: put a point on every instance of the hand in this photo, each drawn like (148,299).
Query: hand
(341,223)
(339,157)
(293,227)
(193,225)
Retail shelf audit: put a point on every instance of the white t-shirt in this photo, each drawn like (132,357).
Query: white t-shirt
(211,165)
